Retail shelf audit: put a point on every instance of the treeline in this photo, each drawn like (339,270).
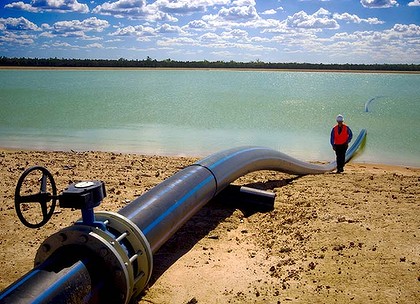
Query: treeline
(168,63)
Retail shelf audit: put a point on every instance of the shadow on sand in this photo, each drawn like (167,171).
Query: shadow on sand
(203,222)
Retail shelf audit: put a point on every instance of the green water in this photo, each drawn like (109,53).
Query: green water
(199,112)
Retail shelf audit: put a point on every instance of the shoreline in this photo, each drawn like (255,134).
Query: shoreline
(388,166)
(46,68)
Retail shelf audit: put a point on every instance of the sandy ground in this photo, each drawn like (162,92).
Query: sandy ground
(331,238)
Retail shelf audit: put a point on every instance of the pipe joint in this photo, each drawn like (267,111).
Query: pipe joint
(121,254)
(136,248)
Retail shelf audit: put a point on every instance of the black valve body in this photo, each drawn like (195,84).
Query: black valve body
(84,195)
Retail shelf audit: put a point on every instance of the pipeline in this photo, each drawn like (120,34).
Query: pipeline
(179,197)
(112,262)
(367,104)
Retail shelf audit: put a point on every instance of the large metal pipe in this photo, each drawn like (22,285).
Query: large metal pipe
(138,230)
(42,285)
(160,212)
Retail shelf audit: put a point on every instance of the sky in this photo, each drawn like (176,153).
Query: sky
(312,31)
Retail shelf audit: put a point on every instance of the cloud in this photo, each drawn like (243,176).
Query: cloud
(90,24)
(396,44)
(59,6)
(379,3)
(410,30)
(136,31)
(14,31)
(18,24)
(399,35)
(269,12)
(184,7)
(169,42)
(235,34)
(170,29)
(158,11)
(17,38)
(319,20)
(122,8)
(133,10)
(244,3)
(414,3)
(356,19)
(197,25)
(75,28)
(95,46)
(236,39)
(238,13)
(63,45)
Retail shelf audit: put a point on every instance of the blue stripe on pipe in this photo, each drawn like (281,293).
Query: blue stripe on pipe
(57,284)
(177,204)
(21,282)
(222,160)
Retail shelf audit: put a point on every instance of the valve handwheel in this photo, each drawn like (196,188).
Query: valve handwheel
(42,197)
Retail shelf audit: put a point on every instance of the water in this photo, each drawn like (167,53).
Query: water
(198,112)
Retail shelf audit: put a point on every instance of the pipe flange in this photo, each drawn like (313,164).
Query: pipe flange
(101,245)
(141,257)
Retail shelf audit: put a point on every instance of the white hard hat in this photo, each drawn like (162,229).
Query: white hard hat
(340,118)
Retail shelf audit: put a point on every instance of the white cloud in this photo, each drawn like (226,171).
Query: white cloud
(21,6)
(210,38)
(59,6)
(379,3)
(238,13)
(167,28)
(95,46)
(244,3)
(322,12)
(319,20)
(137,31)
(122,8)
(128,31)
(356,19)
(414,3)
(61,45)
(231,39)
(197,25)
(134,10)
(378,47)
(90,24)
(269,12)
(158,11)
(399,35)
(46,35)
(18,24)
(234,34)
(407,30)
(183,7)
(17,38)
(170,42)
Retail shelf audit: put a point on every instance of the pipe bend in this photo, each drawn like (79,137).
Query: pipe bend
(228,165)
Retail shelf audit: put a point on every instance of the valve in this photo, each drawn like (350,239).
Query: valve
(42,197)
(111,240)
(83,195)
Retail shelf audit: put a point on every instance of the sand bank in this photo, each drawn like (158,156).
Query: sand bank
(349,238)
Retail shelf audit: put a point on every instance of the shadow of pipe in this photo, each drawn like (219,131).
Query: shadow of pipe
(202,223)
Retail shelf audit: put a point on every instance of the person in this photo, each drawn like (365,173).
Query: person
(341,136)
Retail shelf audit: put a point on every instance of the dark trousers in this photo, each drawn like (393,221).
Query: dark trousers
(340,152)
